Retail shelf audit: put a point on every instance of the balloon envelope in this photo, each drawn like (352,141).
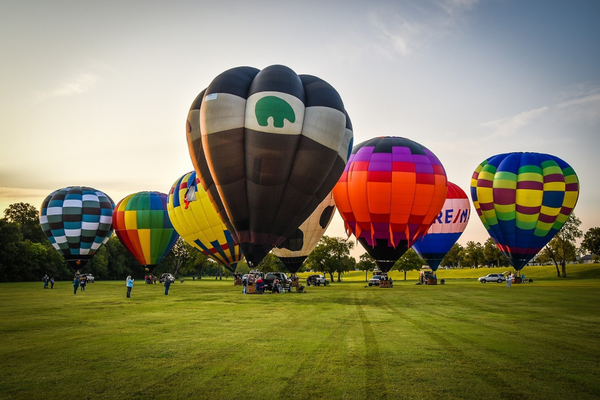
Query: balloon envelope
(268,147)
(195,219)
(446,228)
(78,221)
(389,194)
(296,248)
(523,199)
(142,224)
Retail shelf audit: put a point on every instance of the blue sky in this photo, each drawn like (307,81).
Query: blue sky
(97,93)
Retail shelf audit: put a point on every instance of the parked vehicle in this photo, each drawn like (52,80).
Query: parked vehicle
(427,276)
(492,278)
(316,280)
(87,277)
(166,276)
(282,279)
(374,281)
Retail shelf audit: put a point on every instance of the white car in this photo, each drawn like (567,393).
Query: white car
(316,280)
(492,278)
(374,281)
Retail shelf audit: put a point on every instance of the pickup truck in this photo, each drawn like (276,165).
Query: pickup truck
(282,280)
(316,280)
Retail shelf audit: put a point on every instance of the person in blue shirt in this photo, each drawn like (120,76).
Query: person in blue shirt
(129,285)
(75,284)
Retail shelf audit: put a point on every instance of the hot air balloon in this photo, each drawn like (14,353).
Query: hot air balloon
(142,224)
(294,250)
(268,147)
(523,199)
(389,194)
(195,219)
(78,221)
(446,228)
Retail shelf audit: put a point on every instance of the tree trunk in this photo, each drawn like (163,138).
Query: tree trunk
(366,278)
(404,275)
(564,269)
(331,276)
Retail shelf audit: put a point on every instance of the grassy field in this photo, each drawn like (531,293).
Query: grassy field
(461,340)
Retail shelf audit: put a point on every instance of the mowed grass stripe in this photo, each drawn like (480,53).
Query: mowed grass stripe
(207,340)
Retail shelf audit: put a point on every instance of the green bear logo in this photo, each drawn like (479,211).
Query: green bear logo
(271,106)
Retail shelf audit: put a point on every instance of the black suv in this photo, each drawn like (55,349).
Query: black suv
(282,279)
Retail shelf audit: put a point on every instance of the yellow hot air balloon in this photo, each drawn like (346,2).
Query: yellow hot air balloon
(195,219)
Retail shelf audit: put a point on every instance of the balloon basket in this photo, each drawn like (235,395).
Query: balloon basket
(385,284)
(432,281)
(237,282)
(250,289)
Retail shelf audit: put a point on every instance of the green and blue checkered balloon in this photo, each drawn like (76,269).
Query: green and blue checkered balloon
(78,221)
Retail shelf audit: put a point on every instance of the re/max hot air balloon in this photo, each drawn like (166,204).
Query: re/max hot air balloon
(195,219)
(389,194)
(142,224)
(78,221)
(446,228)
(296,248)
(268,147)
(523,199)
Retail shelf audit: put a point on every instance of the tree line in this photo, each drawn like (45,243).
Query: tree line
(27,255)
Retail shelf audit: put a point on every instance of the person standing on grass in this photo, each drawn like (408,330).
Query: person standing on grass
(167,285)
(82,284)
(129,285)
(75,284)
(45,280)
(51,283)
(509,280)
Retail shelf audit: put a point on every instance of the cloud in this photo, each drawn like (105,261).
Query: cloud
(509,126)
(82,83)
(416,23)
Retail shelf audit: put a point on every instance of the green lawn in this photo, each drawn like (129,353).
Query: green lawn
(462,340)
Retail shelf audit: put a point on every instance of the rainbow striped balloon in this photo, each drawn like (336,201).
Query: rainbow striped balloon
(143,226)
(523,199)
(196,220)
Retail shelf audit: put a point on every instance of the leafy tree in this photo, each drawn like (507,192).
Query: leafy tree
(409,261)
(98,264)
(454,257)
(121,262)
(562,247)
(366,263)
(591,241)
(492,254)
(472,254)
(10,250)
(27,217)
(179,255)
(24,260)
(242,267)
(271,263)
(328,256)
(347,263)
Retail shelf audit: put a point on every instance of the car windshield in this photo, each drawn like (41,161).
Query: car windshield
(376,277)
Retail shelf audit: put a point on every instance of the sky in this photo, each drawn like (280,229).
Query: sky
(97,93)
